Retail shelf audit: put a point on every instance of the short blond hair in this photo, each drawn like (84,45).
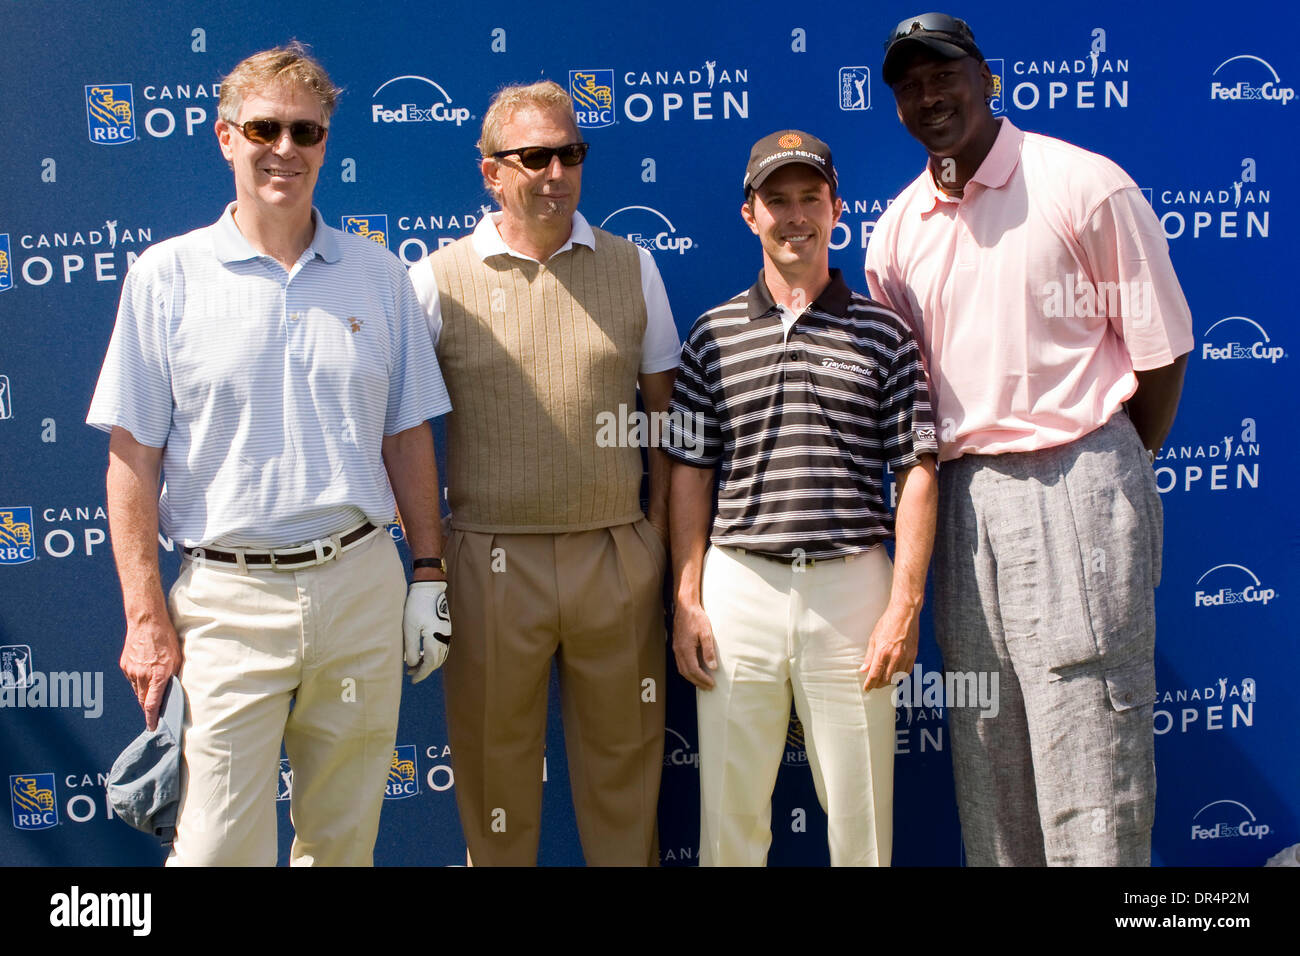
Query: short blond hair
(545,95)
(288,65)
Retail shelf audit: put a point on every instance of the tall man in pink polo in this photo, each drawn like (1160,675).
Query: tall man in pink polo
(1038,282)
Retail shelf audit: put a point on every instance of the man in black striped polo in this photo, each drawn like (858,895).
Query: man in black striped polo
(802,391)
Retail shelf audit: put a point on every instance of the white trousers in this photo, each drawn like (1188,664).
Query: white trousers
(780,631)
(327,640)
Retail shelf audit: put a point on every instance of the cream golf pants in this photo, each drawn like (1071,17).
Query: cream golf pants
(786,631)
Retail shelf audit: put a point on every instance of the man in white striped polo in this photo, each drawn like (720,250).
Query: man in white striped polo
(278,373)
(803,391)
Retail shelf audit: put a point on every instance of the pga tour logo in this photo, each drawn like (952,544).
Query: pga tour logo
(284,781)
(855,88)
(1233,820)
(1236,584)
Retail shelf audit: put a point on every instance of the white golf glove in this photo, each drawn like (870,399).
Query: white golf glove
(426,628)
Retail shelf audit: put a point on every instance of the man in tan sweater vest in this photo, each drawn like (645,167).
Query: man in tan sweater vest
(544,328)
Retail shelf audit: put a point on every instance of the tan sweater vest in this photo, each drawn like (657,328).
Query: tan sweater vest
(532,354)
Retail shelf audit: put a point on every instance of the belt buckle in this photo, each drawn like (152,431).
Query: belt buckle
(322,556)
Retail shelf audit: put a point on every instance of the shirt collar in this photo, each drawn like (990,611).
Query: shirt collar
(994,172)
(487,239)
(230,245)
(834,299)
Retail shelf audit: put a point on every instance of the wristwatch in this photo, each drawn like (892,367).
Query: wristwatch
(433,564)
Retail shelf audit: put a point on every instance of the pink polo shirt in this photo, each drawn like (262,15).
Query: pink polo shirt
(1034,296)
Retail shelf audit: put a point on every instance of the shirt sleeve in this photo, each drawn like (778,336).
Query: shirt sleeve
(416,391)
(694,434)
(426,290)
(880,280)
(1129,258)
(661,348)
(134,389)
(906,420)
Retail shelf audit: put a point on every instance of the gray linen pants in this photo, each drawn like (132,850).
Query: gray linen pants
(1045,565)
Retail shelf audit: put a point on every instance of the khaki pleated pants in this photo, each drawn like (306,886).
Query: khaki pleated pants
(593,601)
(326,640)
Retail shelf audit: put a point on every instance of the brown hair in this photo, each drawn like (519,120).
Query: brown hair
(289,65)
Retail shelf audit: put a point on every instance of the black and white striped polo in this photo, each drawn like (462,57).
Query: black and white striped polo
(800,427)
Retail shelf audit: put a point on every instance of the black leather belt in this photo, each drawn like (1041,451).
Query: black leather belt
(287,559)
(794,560)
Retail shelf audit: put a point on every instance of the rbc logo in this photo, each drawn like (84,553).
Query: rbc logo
(373,227)
(16,545)
(32,797)
(996,103)
(6,264)
(403,780)
(110,114)
(796,752)
(593,97)
(855,88)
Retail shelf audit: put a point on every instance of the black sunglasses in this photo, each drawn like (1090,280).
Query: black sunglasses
(267,131)
(539,157)
(930,23)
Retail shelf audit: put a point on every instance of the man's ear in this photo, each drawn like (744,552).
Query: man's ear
(490,168)
(224,132)
(747,212)
(987,74)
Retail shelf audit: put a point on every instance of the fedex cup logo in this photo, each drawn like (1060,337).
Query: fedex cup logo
(1225,87)
(648,228)
(1229,584)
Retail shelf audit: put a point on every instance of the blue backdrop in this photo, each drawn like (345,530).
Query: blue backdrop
(107,111)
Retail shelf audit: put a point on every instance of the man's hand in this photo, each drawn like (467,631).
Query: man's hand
(150,656)
(693,645)
(426,628)
(152,652)
(892,648)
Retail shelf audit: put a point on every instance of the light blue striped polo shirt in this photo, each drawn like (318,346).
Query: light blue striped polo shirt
(270,391)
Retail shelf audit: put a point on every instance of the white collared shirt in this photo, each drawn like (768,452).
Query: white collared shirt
(270,391)
(661,348)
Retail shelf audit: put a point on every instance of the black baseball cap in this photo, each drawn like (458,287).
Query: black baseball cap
(784,147)
(938,33)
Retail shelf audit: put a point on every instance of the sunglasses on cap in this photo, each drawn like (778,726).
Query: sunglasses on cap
(930,23)
(267,131)
(539,157)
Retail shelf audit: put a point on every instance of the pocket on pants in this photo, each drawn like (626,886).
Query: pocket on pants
(1131,687)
